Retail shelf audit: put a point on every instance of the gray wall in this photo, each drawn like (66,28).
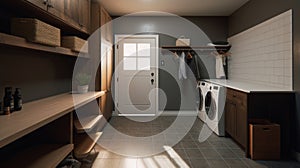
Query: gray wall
(38,74)
(215,28)
(257,11)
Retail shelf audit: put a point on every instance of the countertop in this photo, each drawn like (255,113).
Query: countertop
(246,86)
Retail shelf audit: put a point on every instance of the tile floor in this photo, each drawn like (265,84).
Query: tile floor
(215,152)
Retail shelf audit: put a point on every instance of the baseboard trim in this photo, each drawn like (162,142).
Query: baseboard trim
(176,113)
(136,115)
(132,115)
(162,113)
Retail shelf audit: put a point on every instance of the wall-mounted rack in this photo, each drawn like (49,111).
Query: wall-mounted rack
(202,48)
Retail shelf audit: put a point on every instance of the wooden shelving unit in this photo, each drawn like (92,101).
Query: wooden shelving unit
(43,133)
(39,113)
(87,124)
(45,155)
(14,41)
(37,117)
(84,144)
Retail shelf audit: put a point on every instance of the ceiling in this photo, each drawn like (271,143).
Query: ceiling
(178,7)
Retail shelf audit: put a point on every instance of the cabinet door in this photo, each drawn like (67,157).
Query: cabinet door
(109,36)
(102,23)
(95,17)
(42,4)
(241,122)
(106,29)
(84,15)
(103,14)
(230,118)
(71,8)
(57,8)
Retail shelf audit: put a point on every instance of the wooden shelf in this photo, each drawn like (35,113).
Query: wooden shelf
(84,143)
(14,41)
(39,113)
(87,124)
(46,155)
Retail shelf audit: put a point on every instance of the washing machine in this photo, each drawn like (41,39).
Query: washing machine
(202,88)
(214,103)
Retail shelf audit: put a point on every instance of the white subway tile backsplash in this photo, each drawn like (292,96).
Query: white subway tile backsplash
(263,53)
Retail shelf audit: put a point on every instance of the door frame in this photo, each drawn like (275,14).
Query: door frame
(117,38)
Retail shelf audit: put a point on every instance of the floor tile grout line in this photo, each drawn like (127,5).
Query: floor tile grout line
(205,158)
(223,159)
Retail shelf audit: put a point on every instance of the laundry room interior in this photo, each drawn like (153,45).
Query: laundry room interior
(149,84)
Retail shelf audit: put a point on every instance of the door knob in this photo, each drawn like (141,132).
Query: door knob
(152,74)
(152,81)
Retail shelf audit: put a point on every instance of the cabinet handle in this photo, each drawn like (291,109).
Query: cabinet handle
(50,6)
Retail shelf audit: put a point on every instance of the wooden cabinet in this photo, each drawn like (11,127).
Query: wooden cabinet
(106,26)
(241,124)
(42,4)
(79,13)
(56,7)
(275,106)
(84,14)
(236,116)
(230,117)
(75,13)
(103,44)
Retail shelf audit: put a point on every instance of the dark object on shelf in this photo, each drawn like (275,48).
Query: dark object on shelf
(264,140)
(8,101)
(17,100)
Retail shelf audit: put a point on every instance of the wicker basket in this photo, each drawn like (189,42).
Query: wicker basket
(74,43)
(182,41)
(36,31)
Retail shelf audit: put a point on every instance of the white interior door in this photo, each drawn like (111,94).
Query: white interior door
(137,78)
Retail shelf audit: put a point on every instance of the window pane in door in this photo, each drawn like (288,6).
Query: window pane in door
(144,63)
(129,64)
(129,49)
(144,49)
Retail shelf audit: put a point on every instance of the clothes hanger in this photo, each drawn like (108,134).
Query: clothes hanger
(176,55)
(189,55)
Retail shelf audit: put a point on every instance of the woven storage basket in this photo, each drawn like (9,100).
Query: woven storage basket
(74,43)
(182,41)
(36,31)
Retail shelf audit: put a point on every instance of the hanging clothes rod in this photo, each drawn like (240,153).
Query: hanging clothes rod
(187,48)
(221,49)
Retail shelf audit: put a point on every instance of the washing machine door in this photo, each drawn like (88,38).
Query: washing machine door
(210,106)
(200,99)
